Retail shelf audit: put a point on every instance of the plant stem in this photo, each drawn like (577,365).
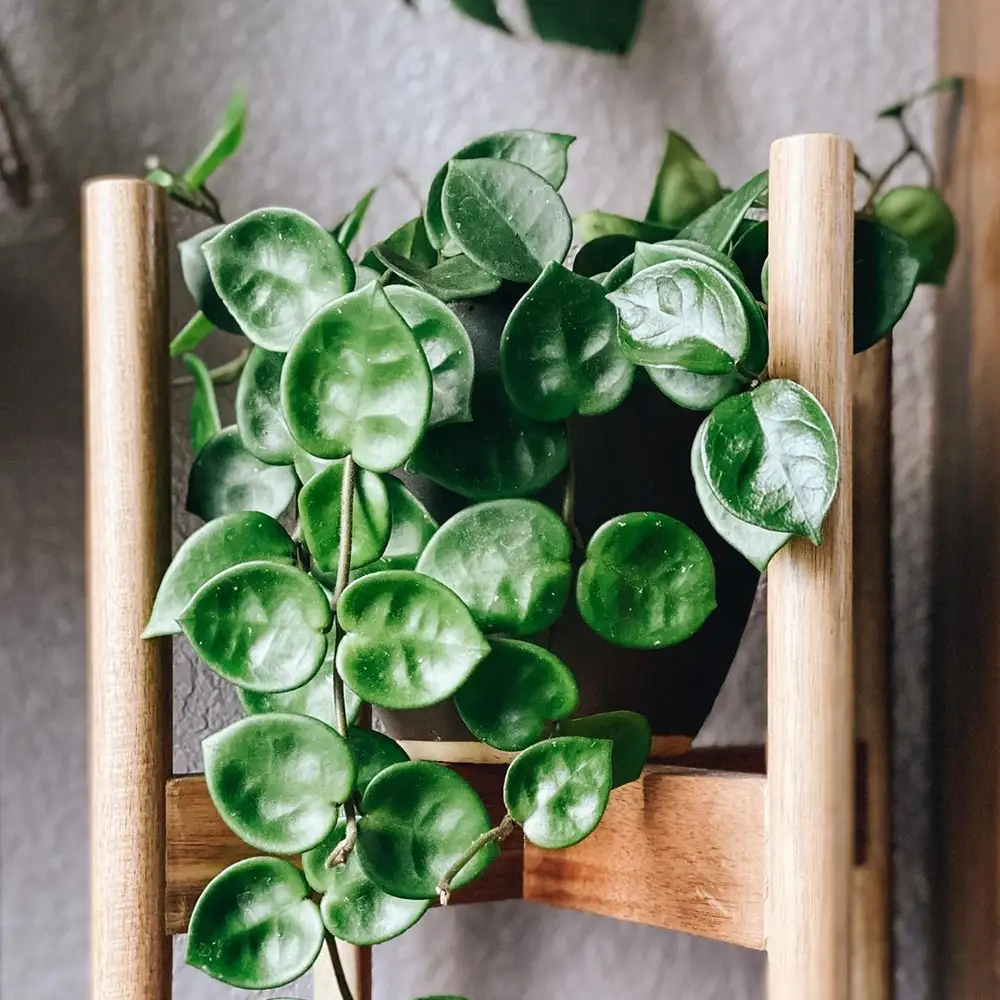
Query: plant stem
(338,968)
(499,833)
(569,493)
(198,327)
(224,373)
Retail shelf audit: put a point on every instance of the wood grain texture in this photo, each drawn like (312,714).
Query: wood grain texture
(128,547)
(965,653)
(470,752)
(810,640)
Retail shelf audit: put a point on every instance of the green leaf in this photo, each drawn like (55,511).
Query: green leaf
(226,478)
(484,11)
(749,253)
(446,347)
(454,279)
(258,409)
(922,217)
(508,560)
(505,217)
(619,274)
(771,458)
(273,269)
(685,186)
(595,224)
(278,781)
(314,698)
(716,226)
(254,927)
(558,789)
(758,545)
(515,693)
(260,625)
(682,313)
(543,152)
(410,641)
(198,280)
(197,328)
(602,255)
(592,24)
(502,453)
(412,529)
(349,226)
(319,516)
(559,354)
(356,382)
(630,736)
(886,271)
(695,392)
(410,241)
(373,752)
(417,820)
(203,416)
(222,145)
(648,581)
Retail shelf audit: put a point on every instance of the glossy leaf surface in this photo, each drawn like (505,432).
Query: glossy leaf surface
(886,271)
(373,753)
(260,625)
(418,819)
(198,279)
(685,185)
(509,562)
(410,242)
(923,218)
(454,279)
(602,255)
(594,224)
(515,693)
(630,736)
(258,409)
(410,641)
(203,414)
(357,382)
(716,226)
(593,24)
(648,581)
(558,789)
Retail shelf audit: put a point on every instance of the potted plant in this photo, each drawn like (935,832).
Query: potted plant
(521,502)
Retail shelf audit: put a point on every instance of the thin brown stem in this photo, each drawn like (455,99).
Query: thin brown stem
(880,181)
(499,833)
(338,968)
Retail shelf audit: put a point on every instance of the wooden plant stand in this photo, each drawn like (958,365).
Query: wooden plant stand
(707,843)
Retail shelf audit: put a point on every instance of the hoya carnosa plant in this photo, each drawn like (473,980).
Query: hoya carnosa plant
(355,368)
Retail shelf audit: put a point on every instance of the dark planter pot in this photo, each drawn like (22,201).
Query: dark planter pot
(636,458)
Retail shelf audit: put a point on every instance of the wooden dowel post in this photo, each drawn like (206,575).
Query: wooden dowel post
(810,652)
(128,546)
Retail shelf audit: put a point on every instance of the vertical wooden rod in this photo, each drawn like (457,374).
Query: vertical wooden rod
(810,654)
(128,546)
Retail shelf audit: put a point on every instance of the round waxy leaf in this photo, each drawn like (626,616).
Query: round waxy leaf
(685,186)
(695,392)
(319,515)
(314,698)
(648,581)
(412,529)
(373,753)
(248,536)
(260,625)
(258,409)
(225,478)
(683,313)
(278,781)
(758,545)
(558,789)
(418,819)
(273,269)
(509,562)
(515,693)
(446,347)
(559,354)
(409,643)
(630,735)
(194,267)
(255,927)
(922,217)
(771,458)
(886,271)
(501,453)
(356,382)
(505,217)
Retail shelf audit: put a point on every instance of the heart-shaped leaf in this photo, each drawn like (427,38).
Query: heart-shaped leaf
(923,218)
(594,224)
(630,736)
(345,231)
(319,516)
(373,753)
(258,409)
(410,641)
(273,269)
(226,478)
(508,560)
(648,581)
(559,354)
(515,693)
(418,819)
(198,279)
(501,453)
(255,927)
(758,545)
(446,347)
(278,781)
(685,186)
(716,225)
(593,24)
(683,313)
(886,271)
(203,416)
(260,625)
(356,382)
(558,789)
(236,538)
(505,217)
(771,458)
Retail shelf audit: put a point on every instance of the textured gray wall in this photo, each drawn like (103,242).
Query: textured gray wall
(346,93)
